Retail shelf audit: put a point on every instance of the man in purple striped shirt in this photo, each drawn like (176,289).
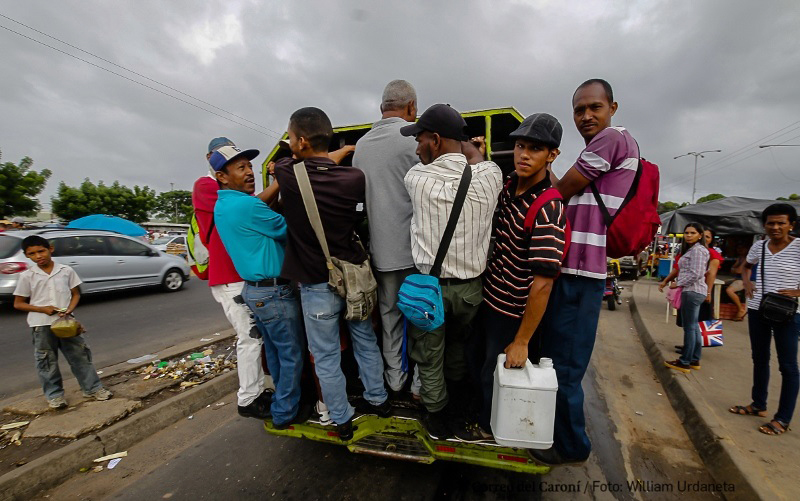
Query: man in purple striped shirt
(609,161)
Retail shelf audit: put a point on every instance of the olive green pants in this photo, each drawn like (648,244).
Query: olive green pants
(440,354)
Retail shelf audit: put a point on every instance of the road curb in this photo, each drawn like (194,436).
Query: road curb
(720,455)
(113,370)
(49,470)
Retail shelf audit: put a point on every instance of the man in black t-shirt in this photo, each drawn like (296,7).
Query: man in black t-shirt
(339,194)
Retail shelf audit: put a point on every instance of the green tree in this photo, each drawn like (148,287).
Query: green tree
(174,206)
(19,185)
(710,197)
(116,200)
(668,206)
(794,196)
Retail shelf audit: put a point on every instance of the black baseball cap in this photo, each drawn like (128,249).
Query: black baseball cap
(439,118)
(540,127)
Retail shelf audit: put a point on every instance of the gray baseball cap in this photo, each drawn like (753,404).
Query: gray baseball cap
(540,127)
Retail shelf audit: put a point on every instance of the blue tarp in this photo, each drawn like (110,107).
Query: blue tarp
(109,223)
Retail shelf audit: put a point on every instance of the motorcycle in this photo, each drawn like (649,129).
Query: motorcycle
(612,290)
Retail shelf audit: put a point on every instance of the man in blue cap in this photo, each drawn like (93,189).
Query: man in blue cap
(254,236)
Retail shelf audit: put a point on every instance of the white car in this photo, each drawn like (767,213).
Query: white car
(103,260)
(161,243)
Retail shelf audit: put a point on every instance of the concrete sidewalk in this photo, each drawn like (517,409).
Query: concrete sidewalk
(757,465)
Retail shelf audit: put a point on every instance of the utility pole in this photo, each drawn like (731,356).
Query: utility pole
(696,154)
(175,204)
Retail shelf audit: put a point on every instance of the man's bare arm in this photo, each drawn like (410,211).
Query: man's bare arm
(571,183)
(517,351)
(339,155)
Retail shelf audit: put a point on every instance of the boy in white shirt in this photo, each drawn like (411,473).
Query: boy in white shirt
(48,291)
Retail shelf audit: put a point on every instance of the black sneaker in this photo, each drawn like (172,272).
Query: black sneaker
(383,410)
(255,409)
(435,425)
(550,457)
(473,434)
(304,413)
(265,398)
(345,430)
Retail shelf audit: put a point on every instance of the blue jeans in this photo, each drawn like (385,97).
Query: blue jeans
(568,337)
(278,314)
(690,308)
(322,308)
(786,337)
(78,355)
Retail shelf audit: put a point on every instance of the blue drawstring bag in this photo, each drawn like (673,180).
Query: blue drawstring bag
(420,301)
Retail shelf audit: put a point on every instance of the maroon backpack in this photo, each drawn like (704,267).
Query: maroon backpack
(634,225)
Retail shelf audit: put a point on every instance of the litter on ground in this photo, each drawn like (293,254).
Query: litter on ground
(111,456)
(11,426)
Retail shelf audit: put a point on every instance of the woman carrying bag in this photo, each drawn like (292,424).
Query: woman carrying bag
(773,312)
(692,280)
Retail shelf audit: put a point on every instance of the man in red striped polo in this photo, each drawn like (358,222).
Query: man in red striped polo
(522,268)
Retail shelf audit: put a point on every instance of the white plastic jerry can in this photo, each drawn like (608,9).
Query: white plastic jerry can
(524,404)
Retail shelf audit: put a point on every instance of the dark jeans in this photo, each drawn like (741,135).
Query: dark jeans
(278,313)
(690,307)
(568,337)
(499,332)
(786,338)
(46,346)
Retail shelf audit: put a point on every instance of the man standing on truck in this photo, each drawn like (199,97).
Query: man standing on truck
(254,236)
(385,157)
(226,287)
(339,195)
(522,268)
(609,161)
(432,185)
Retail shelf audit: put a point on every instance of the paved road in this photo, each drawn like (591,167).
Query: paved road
(218,455)
(122,325)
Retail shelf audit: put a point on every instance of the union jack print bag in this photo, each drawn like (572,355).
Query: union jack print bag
(711,333)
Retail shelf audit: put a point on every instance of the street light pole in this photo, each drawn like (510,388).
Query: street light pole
(696,154)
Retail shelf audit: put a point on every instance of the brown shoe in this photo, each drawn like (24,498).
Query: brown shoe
(677,365)
(695,365)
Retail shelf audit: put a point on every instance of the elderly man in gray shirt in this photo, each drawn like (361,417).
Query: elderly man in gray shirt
(384,155)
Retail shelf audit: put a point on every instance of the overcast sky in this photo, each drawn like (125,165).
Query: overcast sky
(688,75)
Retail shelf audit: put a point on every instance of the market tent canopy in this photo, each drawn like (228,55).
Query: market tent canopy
(109,223)
(726,216)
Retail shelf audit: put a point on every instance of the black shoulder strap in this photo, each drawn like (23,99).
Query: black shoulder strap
(762,267)
(461,194)
(211,229)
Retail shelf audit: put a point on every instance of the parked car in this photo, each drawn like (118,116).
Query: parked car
(103,260)
(161,243)
(631,266)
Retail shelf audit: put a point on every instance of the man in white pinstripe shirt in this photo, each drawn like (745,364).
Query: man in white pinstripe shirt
(432,184)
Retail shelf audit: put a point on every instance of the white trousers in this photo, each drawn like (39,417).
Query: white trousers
(248,348)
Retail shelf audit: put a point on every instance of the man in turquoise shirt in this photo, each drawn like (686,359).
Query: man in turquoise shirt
(254,236)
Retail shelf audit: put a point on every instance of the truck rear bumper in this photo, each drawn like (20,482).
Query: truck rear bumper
(405,438)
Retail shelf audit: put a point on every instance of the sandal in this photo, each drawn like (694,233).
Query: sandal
(740,316)
(771,429)
(746,411)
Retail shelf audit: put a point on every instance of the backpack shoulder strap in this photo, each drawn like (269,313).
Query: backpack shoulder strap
(545,197)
